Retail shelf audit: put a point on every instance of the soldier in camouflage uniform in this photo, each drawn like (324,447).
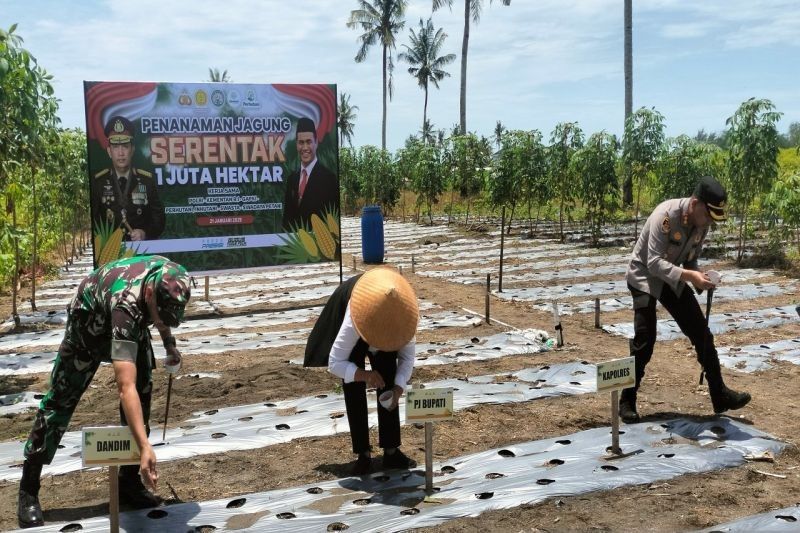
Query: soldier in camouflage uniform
(664,260)
(107,321)
(123,195)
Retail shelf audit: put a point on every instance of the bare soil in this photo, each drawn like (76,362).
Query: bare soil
(670,389)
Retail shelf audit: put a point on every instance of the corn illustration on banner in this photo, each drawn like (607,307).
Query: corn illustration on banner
(215,176)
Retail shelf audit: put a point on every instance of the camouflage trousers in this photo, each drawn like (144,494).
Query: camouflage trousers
(78,358)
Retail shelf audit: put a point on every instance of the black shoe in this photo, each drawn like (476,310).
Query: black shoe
(362,466)
(728,399)
(29,512)
(627,411)
(135,495)
(398,460)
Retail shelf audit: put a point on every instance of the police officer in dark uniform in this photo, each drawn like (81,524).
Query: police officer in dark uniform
(123,195)
(664,260)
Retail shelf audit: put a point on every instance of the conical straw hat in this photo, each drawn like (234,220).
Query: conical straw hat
(384,309)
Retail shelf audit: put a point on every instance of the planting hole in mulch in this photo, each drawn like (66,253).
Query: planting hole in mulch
(494,475)
(281,427)
(448,469)
(564,442)
(545,481)
(71,527)
(218,435)
(246,419)
(362,501)
(506,453)
(314,490)
(666,455)
(381,478)
(410,511)
(235,504)
(204,529)
(157,514)
(268,404)
(609,468)
(788,518)
(484,495)
(337,526)
(555,462)
(285,516)
(211,412)
(717,430)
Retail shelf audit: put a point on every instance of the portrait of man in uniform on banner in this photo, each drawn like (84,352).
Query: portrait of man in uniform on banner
(124,197)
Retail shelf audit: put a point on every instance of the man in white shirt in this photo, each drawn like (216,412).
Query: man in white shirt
(371,316)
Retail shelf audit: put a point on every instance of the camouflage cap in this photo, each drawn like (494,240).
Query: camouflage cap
(119,130)
(172,293)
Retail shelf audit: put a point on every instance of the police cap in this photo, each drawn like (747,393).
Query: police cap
(713,194)
(119,130)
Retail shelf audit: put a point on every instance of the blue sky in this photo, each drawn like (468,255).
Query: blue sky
(531,65)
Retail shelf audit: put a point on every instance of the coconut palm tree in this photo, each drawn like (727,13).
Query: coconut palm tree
(423,56)
(499,130)
(472,9)
(215,75)
(380,20)
(347,117)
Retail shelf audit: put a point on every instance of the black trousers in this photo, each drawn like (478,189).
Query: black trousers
(355,401)
(689,317)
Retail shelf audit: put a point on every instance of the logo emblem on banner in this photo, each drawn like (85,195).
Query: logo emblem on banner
(217,98)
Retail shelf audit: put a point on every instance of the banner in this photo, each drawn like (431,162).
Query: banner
(215,176)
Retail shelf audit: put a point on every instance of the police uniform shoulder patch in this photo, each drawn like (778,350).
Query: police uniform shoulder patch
(665,225)
(677,235)
(102,173)
(141,172)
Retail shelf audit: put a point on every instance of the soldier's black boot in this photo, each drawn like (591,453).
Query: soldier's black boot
(627,406)
(722,398)
(29,511)
(132,491)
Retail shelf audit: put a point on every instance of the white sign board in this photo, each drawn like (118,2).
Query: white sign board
(616,375)
(429,405)
(105,446)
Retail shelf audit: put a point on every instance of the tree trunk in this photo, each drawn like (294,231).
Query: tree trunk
(627,184)
(450,212)
(425,112)
(464,48)
(35,238)
(561,221)
(636,214)
(510,218)
(15,281)
(383,123)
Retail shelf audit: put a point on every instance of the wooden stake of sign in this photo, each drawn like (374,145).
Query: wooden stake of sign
(488,287)
(597,313)
(206,288)
(557,325)
(412,263)
(502,241)
(428,457)
(113,502)
(615,449)
(354,262)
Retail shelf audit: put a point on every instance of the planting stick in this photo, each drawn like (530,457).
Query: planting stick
(597,313)
(488,282)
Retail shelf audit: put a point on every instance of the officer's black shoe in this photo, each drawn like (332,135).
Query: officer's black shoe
(29,512)
(627,411)
(398,460)
(135,495)
(362,466)
(728,399)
